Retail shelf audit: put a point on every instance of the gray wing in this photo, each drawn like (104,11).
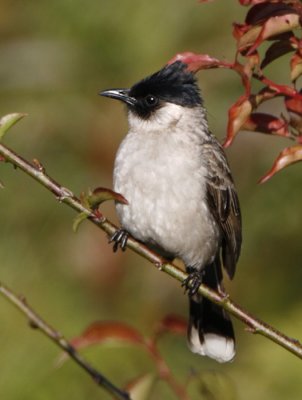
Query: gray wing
(224,204)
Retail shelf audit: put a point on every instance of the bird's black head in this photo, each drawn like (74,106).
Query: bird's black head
(172,84)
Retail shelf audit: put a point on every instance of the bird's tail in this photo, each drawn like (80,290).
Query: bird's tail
(210,330)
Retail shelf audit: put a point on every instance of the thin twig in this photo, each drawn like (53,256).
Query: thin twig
(37,322)
(66,196)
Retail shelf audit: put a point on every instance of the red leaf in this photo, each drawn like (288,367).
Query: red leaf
(263,11)
(294,104)
(266,123)
(294,108)
(248,38)
(288,156)
(172,324)
(295,66)
(100,194)
(276,50)
(101,332)
(273,26)
(196,62)
(238,115)
(239,30)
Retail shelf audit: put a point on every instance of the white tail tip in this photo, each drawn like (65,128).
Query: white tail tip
(220,348)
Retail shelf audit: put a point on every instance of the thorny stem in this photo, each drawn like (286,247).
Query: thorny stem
(37,322)
(254,324)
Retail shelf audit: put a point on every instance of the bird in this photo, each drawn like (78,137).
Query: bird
(182,201)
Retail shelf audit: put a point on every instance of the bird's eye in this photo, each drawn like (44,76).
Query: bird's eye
(151,100)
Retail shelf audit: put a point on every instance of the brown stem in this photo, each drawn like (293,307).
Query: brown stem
(66,196)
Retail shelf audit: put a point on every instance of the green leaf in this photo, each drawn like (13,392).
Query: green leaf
(214,385)
(93,200)
(8,121)
(78,220)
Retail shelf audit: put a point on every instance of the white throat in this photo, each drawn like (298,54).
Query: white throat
(164,118)
(170,117)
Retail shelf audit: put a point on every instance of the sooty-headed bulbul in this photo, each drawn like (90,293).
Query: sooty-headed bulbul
(182,201)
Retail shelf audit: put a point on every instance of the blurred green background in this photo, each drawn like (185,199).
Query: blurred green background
(55,57)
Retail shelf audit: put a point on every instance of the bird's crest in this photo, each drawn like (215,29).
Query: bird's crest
(173,83)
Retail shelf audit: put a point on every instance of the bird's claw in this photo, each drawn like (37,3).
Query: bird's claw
(119,239)
(192,283)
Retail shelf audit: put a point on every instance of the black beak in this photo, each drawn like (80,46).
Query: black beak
(119,94)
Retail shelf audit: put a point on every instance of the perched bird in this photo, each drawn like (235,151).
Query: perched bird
(182,201)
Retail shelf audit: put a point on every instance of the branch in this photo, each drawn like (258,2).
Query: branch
(37,322)
(64,195)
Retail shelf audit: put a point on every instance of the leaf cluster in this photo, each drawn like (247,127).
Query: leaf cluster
(279,23)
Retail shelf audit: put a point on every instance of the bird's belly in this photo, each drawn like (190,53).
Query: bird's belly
(167,208)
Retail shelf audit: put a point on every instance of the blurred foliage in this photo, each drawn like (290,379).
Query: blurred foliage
(55,57)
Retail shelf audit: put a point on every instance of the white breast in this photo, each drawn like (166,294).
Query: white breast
(161,174)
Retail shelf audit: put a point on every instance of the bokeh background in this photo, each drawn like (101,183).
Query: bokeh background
(55,57)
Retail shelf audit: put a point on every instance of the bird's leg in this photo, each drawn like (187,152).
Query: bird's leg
(193,281)
(119,239)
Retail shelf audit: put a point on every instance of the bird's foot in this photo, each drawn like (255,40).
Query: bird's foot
(220,289)
(192,282)
(119,239)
